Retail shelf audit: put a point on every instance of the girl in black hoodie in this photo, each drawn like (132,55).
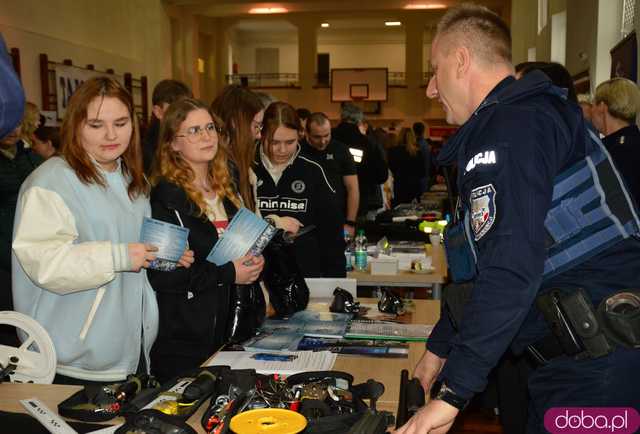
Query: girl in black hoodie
(193,188)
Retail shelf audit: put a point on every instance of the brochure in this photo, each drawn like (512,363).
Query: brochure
(170,239)
(388,331)
(299,361)
(370,348)
(246,234)
(274,341)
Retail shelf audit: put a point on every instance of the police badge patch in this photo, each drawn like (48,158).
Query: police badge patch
(298,186)
(483,209)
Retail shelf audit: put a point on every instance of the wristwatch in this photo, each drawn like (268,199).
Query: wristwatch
(449,396)
(350,223)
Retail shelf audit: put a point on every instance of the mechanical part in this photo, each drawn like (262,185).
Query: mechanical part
(35,359)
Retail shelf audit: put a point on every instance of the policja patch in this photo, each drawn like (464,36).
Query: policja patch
(483,209)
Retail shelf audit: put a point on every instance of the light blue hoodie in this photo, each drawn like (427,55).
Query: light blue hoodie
(71,271)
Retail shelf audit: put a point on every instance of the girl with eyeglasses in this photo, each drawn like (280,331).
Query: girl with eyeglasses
(192,187)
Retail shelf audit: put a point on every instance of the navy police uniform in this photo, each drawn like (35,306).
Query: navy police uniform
(624,147)
(509,153)
(305,193)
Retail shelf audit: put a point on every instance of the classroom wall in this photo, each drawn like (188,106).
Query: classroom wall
(126,35)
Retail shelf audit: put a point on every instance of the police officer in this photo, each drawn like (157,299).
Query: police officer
(291,185)
(338,164)
(616,105)
(534,234)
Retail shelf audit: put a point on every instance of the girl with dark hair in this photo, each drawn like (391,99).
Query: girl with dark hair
(78,267)
(406,162)
(193,188)
(46,141)
(290,185)
(242,112)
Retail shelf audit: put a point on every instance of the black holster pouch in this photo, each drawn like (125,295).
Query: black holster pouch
(573,322)
(248,309)
(288,292)
(619,315)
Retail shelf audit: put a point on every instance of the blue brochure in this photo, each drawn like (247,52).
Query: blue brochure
(246,233)
(170,239)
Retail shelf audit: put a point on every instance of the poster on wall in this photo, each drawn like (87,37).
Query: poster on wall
(624,57)
(69,78)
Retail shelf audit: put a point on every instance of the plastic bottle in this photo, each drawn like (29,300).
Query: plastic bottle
(348,250)
(361,251)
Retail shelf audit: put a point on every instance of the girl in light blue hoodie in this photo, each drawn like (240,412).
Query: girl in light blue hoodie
(78,267)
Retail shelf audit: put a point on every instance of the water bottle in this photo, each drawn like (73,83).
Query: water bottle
(348,250)
(361,251)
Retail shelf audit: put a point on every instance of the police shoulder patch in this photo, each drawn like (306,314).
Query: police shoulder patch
(483,209)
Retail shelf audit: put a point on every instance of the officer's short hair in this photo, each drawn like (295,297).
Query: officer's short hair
(168,91)
(351,113)
(621,96)
(317,118)
(482,31)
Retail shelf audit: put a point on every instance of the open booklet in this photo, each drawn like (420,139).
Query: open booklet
(246,234)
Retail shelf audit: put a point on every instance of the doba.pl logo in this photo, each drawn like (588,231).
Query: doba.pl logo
(592,420)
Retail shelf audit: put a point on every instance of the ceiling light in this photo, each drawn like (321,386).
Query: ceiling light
(425,6)
(392,23)
(276,10)
(325,25)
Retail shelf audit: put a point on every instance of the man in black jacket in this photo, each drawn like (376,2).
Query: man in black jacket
(370,164)
(164,93)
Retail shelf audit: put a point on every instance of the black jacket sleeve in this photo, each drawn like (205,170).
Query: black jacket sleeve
(202,275)
(374,168)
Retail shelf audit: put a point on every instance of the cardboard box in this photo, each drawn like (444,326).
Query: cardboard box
(386,265)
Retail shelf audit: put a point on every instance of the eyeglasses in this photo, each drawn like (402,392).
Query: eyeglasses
(256,125)
(194,133)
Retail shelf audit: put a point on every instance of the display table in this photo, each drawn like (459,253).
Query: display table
(409,279)
(386,371)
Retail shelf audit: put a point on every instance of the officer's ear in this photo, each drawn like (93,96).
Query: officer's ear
(463,60)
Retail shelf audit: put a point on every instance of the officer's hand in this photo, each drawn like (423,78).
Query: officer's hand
(248,268)
(350,230)
(187,259)
(435,418)
(289,224)
(427,370)
(141,255)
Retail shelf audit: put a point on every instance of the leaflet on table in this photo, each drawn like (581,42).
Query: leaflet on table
(307,327)
(388,331)
(170,239)
(279,340)
(303,361)
(371,348)
(246,233)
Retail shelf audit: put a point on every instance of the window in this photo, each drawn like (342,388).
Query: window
(559,37)
(628,15)
(543,11)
